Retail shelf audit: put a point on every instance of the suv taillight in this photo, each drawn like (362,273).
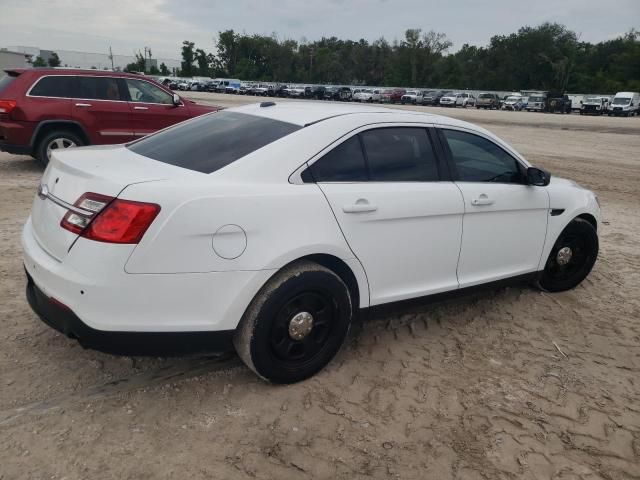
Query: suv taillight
(112,220)
(7,105)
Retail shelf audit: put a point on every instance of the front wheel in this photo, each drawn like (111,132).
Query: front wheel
(56,140)
(296,323)
(572,257)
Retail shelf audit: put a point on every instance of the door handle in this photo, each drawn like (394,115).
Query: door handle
(83,105)
(482,199)
(361,206)
(141,108)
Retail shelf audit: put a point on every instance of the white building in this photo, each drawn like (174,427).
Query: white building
(12,59)
(100,61)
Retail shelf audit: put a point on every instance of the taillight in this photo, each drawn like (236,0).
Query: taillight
(7,105)
(114,220)
(92,204)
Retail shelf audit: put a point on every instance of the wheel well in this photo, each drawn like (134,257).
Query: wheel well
(51,126)
(340,268)
(589,218)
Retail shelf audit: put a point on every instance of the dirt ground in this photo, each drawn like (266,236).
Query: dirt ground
(507,384)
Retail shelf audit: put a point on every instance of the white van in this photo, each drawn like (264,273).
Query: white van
(625,103)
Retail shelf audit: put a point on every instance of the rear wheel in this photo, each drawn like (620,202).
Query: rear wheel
(56,140)
(572,257)
(296,324)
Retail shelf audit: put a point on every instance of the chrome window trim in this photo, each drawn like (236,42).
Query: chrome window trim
(80,211)
(28,94)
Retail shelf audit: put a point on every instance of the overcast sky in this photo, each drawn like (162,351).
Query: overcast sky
(162,25)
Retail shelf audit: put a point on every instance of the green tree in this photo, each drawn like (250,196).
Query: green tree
(188,58)
(54,60)
(163,69)
(39,62)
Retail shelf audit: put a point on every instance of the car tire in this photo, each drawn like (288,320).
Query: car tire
(54,140)
(581,240)
(277,340)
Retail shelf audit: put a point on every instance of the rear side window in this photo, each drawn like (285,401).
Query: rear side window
(208,143)
(345,163)
(400,155)
(98,88)
(5,81)
(58,86)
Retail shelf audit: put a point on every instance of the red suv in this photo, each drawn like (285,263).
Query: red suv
(45,109)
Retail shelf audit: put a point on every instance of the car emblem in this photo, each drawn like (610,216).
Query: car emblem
(43,191)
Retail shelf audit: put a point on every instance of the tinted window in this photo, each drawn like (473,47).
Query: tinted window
(98,88)
(400,155)
(53,87)
(480,160)
(5,81)
(345,163)
(140,91)
(210,142)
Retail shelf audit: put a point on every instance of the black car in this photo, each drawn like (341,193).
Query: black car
(316,92)
(279,91)
(433,98)
(558,103)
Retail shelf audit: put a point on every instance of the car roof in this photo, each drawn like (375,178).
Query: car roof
(76,71)
(309,113)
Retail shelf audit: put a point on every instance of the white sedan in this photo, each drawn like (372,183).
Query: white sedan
(272,225)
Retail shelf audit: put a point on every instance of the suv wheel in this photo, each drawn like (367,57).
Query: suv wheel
(296,324)
(56,140)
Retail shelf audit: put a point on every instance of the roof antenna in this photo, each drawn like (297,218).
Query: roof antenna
(268,104)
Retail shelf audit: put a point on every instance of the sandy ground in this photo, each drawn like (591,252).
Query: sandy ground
(468,389)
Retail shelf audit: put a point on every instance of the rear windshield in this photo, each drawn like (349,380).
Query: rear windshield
(5,81)
(208,143)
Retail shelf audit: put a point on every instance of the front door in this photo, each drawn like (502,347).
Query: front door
(152,108)
(505,220)
(401,222)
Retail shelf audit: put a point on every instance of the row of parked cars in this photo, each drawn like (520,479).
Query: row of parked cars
(622,104)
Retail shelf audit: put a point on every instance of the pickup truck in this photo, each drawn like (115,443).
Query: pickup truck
(594,105)
(488,100)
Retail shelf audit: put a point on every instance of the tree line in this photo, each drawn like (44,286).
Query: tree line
(546,57)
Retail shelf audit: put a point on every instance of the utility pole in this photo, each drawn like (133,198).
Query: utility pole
(111,57)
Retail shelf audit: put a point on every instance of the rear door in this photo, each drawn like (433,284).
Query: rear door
(400,219)
(152,108)
(100,106)
(505,220)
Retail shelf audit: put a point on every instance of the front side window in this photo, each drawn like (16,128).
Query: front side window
(145,92)
(58,86)
(210,142)
(399,155)
(98,88)
(479,160)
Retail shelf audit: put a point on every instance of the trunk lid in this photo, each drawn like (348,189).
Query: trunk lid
(106,170)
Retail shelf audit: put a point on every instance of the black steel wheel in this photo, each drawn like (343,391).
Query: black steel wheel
(572,257)
(296,323)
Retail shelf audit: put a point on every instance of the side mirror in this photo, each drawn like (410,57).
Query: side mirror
(176,100)
(538,177)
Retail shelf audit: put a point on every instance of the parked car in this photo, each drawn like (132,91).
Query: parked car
(537,102)
(625,103)
(317,92)
(338,93)
(514,103)
(227,85)
(43,110)
(576,102)
(366,95)
(413,97)
(296,91)
(488,101)
(183,85)
(433,98)
(461,99)
(280,91)
(392,95)
(594,105)
(558,103)
(277,243)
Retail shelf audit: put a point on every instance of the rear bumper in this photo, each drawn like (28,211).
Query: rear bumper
(15,149)
(65,321)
